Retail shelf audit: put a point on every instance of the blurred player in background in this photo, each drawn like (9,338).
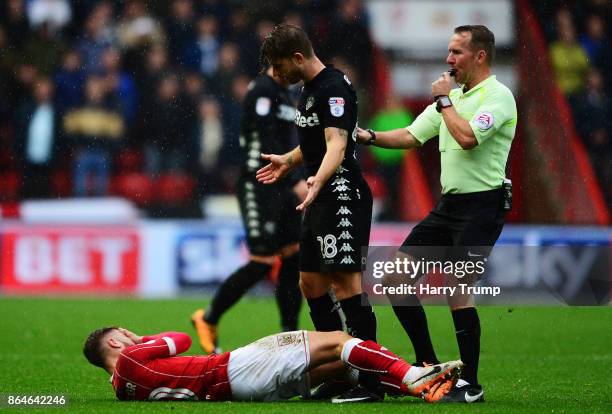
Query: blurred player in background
(268,212)
(277,367)
(338,206)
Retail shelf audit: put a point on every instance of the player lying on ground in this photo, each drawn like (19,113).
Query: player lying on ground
(276,367)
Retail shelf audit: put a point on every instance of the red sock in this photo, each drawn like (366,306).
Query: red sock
(371,357)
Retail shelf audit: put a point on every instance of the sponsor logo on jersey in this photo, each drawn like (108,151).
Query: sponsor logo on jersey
(343,210)
(340,180)
(309,102)
(286,113)
(343,197)
(340,170)
(336,106)
(262,106)
(344,222)
(346,248)
(345,235)
(341,188)
(347,260)
(303,121)
(484,121)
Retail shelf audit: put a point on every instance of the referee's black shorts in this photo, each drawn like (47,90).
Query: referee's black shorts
(269,216)
(463,226)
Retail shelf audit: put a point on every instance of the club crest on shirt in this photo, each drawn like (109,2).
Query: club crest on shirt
(286,339)
(262,106)
(484,120)
(309,102)
(336,106)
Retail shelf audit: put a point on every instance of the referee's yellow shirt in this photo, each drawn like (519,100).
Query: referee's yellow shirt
(490,109)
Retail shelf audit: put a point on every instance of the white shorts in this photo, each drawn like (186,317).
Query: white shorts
(271,369)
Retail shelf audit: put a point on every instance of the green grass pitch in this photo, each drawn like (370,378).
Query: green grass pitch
(540,360)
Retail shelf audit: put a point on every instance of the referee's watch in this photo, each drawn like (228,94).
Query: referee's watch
(372,139)
(442,101)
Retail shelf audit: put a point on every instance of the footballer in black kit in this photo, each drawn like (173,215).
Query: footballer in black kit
(337,224)
(338,204)
(268,211)
(271,222)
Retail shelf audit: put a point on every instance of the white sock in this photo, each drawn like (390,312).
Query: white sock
(412,374)
(347,348)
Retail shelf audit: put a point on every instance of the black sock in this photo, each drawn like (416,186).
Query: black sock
(324,314)
(467,330)
(288,294)
(414,321)
(232,289)
(360,318)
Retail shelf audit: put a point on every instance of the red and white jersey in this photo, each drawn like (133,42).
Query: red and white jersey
(151,371)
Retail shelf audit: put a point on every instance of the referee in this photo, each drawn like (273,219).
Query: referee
(475,125)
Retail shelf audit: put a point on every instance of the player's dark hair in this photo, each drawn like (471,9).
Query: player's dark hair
(93,346)
(482,39)
(283,42)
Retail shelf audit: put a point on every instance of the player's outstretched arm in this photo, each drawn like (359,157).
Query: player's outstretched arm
(335,141)
(162,345)
(396,139)
(279,165)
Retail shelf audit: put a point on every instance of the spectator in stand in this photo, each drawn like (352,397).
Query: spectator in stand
(595,42)
(43,50)
(569,60)
(15,20)
(349,36)
(120,84)
(69,80)
(136,31)
(230,66)
(156,65)
(209,140)
(165,131)
(95,131)
(98,35)
(241,33)
(137,27)
(393,116)
(593,116)
(37,138)
(202,54)
(55,13)
(180,29)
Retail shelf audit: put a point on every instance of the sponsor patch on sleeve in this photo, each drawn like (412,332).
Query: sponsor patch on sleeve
(336,106)
(262,106)
(484,120)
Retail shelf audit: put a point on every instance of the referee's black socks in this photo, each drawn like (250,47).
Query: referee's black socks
(414,321)
(467,330)
(288,294)
(324,314)
(233,288)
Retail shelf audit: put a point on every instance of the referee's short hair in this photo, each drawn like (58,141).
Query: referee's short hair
(482,39)
(283,42)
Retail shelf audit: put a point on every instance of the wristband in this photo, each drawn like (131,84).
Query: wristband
(372,139)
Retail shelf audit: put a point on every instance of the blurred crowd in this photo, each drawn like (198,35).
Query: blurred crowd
(143,99)
(578,33)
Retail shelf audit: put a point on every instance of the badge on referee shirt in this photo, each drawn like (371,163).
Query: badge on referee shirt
(336,106)
(484,120)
